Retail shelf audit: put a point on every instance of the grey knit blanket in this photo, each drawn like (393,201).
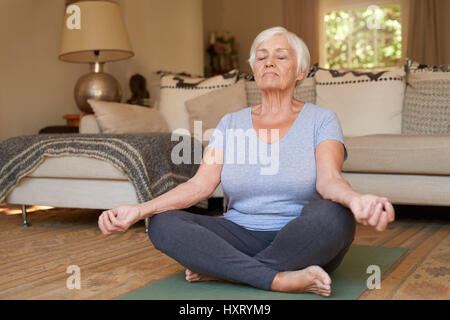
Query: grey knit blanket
(144,158)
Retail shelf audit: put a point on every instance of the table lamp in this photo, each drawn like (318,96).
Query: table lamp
(94,32)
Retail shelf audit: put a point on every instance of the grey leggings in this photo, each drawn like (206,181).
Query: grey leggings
(217,247)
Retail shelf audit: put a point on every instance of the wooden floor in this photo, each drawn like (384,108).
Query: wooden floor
(34,261)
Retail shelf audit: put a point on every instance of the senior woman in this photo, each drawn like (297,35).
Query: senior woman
(277,234)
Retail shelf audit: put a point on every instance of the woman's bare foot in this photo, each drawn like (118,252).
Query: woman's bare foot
(192,276)
(312,279)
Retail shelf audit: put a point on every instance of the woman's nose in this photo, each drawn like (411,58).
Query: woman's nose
(269,62)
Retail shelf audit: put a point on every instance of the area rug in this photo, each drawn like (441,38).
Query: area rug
(350,280)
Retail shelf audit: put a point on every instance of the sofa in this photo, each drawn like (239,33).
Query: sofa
(395,125)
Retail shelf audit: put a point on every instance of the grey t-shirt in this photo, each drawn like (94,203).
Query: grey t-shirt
(267,185)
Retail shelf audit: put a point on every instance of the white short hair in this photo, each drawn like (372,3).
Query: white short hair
(303,56)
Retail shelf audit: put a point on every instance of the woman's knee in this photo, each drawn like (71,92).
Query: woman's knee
(161,227)
(333,217)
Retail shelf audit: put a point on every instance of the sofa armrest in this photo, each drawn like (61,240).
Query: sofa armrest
(88,124)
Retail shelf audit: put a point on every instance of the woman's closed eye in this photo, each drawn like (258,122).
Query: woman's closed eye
(279,58)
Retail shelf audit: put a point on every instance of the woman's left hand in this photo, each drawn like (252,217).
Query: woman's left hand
(119,219)
(372,210)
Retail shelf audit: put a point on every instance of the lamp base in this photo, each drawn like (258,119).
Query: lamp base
(96,85)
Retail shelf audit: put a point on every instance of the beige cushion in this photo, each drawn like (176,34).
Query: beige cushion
(177,89)
(403,188)
(211,107)
(88,124)
(114,117)
(387,153)
(154,83)
(365,102)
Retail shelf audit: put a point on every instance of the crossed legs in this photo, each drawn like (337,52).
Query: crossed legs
(218,248)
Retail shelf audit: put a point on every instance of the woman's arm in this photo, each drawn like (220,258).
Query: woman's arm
(330,183)
(187,194)
(368,209)
(196,189)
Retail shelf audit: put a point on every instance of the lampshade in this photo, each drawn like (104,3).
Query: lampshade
(101,29)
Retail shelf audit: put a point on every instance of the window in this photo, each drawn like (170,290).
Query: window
(362,37)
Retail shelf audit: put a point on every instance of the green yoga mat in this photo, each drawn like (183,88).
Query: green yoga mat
(348,282)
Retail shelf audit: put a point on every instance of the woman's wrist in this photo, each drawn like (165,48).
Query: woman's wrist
(145,209)
(349,197)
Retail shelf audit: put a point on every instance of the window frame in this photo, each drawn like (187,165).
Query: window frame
(326,6)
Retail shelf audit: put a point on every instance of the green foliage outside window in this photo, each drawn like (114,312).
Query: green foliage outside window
(366,38)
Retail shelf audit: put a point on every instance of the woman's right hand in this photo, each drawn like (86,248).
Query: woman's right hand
(372,210)
(119,219)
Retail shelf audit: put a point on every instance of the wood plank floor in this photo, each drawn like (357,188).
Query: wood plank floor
(34,260)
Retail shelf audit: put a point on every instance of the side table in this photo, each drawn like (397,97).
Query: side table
(73,122)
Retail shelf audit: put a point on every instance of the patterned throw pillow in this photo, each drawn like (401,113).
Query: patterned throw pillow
(412,66)
(426,109)
(154,84)
(304,91)
(177,89)
(365,102)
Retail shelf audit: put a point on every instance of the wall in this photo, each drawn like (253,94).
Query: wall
(244,19)
(165,35)
(36,88)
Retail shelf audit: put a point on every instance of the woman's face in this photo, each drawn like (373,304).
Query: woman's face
(275,66)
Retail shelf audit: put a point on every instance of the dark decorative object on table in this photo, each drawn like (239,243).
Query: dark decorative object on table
(140,95)
(222,54)
(59,129)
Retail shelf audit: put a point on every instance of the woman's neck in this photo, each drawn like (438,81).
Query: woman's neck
(276,101)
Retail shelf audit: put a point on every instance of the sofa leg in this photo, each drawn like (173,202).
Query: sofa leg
(146,224)
(24,216)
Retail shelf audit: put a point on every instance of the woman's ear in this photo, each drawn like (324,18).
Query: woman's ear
(301,76)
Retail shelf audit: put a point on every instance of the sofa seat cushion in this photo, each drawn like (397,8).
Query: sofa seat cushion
(399,153)
(77,167)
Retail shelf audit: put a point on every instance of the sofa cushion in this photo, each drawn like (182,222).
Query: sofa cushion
(365,102)
(211,107)
(412,66)
(402,153)
(73,193)
(177,89)
(403,188)
(77,167)
(154,84)
(426,108)
(113,117)
(88,124)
